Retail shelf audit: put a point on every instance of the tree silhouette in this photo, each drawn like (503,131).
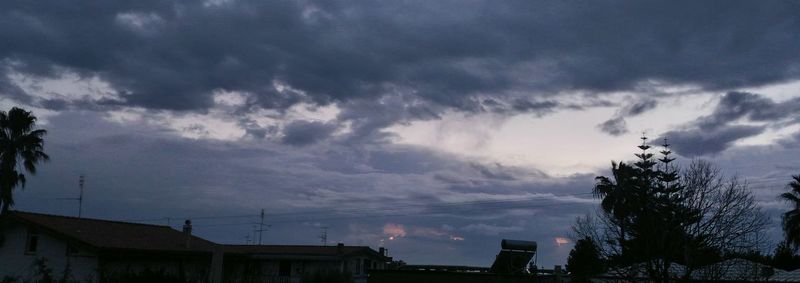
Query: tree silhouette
(584,261)
(791,219)
(21,149)
(655,215)
(784,257)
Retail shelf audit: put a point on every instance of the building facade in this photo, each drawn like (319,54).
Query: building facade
(34,246)
(290,264)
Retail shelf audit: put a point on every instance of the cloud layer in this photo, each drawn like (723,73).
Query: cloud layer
(175,54)
(738,115)
(190,108)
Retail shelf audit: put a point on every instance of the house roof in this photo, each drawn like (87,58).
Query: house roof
(788,276)
(118,235)
(736,269)
(639,270)
(105,234)
(289,250)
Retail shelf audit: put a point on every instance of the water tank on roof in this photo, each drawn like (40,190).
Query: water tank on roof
(514,256)
(518,245)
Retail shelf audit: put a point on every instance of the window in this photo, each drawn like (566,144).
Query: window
(32,245)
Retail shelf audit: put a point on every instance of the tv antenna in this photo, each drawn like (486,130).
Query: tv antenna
(81,182)
(261,227)
(323,236)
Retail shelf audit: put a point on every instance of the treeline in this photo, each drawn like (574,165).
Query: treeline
(655,215)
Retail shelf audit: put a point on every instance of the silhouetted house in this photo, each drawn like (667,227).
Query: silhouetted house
(786,276)
(637,273)
(510,266)
(736,270)
(289,264)
(91,250)
(731,270)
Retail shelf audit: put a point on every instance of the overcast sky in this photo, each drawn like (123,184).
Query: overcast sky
(433,128)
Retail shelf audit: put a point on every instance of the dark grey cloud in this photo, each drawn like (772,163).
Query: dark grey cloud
(367,118)
(173,55)
(702,142)
(301,133)
(753,107)
(792,141)
(717,131)
(496,172)
(639,107)
(617,126)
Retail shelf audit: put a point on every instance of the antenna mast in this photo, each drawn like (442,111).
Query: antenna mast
(81,181)
(323,236)
(261,227)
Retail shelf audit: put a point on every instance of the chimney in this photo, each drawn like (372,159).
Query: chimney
(382,251)
(340,248)
(187,232)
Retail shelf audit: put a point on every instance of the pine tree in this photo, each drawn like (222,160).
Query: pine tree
(646,203)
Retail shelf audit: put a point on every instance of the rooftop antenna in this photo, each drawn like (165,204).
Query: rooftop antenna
(259,228)
(81,181)
(323,236)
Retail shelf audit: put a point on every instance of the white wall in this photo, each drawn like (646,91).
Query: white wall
(16,263)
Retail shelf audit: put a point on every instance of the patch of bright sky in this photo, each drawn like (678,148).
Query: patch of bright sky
(562,143)
(142,23)
(69,86)
(568,141)
(214,125)
(221,122)
(778,92)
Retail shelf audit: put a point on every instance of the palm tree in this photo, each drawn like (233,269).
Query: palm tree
(791,219)
(21,148)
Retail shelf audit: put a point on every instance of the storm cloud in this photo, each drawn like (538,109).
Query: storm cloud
(617,126)
(224,107)
(717,131)
(300,133)
(176,54)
